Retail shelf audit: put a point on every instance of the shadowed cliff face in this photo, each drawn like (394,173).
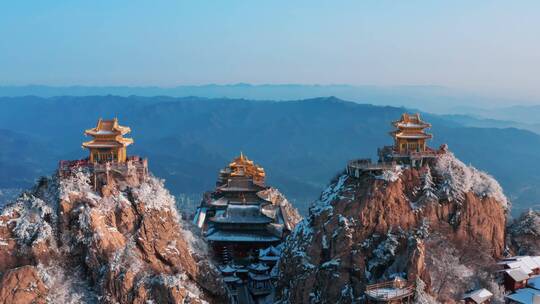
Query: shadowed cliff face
(75,245)
(441,226)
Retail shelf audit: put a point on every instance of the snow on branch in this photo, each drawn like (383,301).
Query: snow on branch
(428,191)
(527,224)
(30,224)
(390,175)
(329,195)
(154,195)
(77,182)
(458,179)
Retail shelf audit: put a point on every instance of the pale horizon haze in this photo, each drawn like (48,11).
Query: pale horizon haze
(484,46)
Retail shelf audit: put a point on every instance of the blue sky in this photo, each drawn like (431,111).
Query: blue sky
(481,45)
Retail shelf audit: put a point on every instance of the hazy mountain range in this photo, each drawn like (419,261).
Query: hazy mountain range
(434,99)
(302,144)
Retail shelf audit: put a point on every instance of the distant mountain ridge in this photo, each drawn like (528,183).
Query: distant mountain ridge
(300,143)
(429,98)
(523,117)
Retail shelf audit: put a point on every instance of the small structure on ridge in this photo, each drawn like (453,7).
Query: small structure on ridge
(479,296)
(259,282)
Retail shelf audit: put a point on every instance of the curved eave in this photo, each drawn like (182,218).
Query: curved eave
(123,130)
(97,144)
(114,131)
(95,132)
(404,136)
(126,141)
(409,125)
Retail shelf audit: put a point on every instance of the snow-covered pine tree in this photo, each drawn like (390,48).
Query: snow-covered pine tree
(428,190)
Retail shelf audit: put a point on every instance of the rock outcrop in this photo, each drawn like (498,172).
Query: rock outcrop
(22,285)
(441,226)
(62,242)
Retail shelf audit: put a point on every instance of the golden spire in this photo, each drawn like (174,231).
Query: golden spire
(242,166)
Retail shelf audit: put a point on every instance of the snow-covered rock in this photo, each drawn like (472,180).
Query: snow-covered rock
(458,179)
(128,246)
(375,228)
(390,175)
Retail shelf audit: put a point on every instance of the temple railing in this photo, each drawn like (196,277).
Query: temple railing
(390,151)
(417,155)
(65,167)
(356,167)
(390,290)
(366,164)
(132,163)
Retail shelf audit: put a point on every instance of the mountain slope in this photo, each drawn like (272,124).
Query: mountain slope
(64,242)
(440,227)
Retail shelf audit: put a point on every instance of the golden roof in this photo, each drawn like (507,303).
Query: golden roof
(108,134)
(410,126)
(411,135)
(411,121)
(242,166)
(107,127)
(118,142)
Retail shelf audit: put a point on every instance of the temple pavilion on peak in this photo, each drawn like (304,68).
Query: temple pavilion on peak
(410,136)
(410,147)
(410,142)
(238,218)
(108,143)
(108,158)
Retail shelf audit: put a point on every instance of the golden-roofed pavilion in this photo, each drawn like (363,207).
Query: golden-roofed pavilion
(242,166)
(410,135)
(409,149)
(108,143)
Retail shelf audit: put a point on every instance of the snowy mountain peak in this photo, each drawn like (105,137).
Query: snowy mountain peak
(78,245)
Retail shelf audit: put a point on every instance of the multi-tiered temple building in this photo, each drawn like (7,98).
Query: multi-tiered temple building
(410,142)
(108,143)
(410,148)
(244,220)
(242,214)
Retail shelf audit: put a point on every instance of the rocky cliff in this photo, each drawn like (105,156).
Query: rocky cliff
(441,226)
(63,242)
